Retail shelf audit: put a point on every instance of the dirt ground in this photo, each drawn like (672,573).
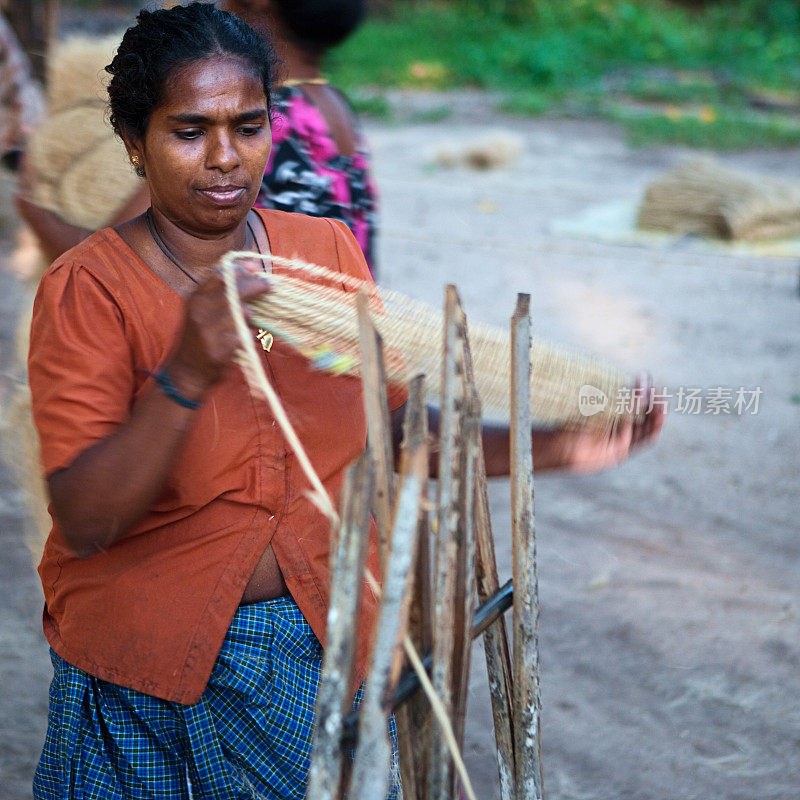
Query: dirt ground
(670,639)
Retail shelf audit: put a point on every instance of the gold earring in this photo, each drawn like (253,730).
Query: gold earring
(135,161)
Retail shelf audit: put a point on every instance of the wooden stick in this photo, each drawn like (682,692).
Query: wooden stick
(415,428)
(334,696)
(413,719)
(441,716)
(379,435)
(465,550)
(371,768)
(486,614)
(495,641)
(527,700)
(495,637)
(446,554)
(444,725)
(437,708)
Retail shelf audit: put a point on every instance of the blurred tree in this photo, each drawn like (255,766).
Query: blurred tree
(35,25)
(383,8)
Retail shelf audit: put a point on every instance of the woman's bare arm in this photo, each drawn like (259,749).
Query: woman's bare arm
(580,451)
(54,235)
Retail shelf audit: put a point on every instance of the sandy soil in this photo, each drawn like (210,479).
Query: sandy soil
(669,634)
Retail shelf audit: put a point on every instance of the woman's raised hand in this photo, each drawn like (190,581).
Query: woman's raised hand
(208,340)
(586,450)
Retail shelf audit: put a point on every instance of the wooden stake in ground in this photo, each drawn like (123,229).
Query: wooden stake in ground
(367,775)
(495,637)
(527,701)
(495,641)
(413,718)
(334,696)
(379,435)
(371,768)
(449,519)
(466,596)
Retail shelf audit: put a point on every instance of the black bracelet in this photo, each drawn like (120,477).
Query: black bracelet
(171,391)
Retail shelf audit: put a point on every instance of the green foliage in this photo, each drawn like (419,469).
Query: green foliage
(544,55)
(725,130)
(431,115)
(574,41)
(370,105)
(530,103)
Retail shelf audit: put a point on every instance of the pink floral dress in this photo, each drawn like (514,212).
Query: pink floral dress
(307,174)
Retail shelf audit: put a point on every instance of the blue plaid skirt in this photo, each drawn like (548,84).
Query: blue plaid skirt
(249,735)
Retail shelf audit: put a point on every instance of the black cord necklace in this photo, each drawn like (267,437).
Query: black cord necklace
(148,218)
(264,337)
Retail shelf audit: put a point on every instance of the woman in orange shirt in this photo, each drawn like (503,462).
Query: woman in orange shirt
(186,574)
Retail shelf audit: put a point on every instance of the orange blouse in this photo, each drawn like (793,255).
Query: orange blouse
(151,611)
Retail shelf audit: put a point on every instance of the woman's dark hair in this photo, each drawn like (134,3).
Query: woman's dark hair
(168,39)
(316,25)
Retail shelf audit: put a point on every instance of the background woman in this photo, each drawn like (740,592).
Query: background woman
(320,161)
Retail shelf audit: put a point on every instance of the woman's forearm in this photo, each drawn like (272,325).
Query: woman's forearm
(549,447)
(578,450)
(111,485)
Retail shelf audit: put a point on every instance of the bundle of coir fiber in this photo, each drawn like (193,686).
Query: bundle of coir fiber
(702,197)
(81,170)
(21,454)
(314,310)
(19,445)
(495,149)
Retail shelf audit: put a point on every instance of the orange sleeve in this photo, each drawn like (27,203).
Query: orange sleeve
(352,262)
(80,366)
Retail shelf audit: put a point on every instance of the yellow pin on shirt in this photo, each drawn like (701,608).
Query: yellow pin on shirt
(266,339)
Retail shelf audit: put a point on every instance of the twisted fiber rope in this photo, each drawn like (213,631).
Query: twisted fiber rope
(310,308)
